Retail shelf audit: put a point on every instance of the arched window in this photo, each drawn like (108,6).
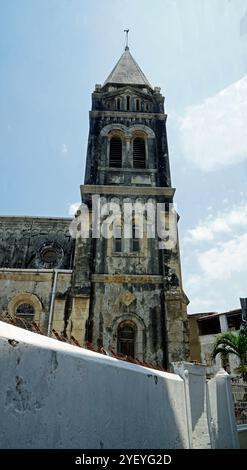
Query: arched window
(126,338)
(137,105)
(115,159)
(128,103)
(118,104)
(25,311)
(139,153)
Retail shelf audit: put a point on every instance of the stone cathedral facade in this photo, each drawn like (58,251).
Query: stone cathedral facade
(121,293)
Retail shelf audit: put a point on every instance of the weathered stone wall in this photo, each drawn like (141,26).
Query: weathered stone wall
(151,279)
(177,326)
(24,243)
(145,261)
(129,299)
(31,249)
(35,288)
(195,347)
(104,114)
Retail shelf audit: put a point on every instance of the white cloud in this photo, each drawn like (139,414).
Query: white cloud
(225,259)
(213,134)
(204,305)
(193,280)
(218,277)
(200,233)
(64,148)
(224,223)
(73,208)
(215,271)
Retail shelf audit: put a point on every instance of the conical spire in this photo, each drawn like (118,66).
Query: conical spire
(127,72)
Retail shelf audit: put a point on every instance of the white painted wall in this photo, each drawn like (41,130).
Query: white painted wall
(55,395)
(223,323)
(194,376)
(222,422)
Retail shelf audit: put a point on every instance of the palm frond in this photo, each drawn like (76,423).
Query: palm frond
(230,343)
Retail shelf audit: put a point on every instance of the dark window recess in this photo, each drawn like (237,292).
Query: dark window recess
(25,311)
(117,245)
(139,153)
(118,104)
(126,339)
(128,103)
(137,105)
(210,326)
(135,238)
(234,321)
(117,239)
(115,152)
(49,255)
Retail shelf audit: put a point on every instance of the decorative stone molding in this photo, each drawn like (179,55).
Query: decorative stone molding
(128,131)
(127,298)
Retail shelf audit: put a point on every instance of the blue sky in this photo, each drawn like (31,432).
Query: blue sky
(52,52)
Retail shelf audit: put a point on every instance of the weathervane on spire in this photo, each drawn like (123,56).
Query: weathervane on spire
(127,39)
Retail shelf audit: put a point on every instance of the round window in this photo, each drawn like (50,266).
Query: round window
(49,255)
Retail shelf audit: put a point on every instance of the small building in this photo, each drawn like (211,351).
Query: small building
(204,328)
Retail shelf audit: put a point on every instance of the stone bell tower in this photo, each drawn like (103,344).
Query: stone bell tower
(133,289)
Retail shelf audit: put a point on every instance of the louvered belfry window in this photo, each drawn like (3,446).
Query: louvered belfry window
(139,153)
(115,152)
(135,237)
(117,239)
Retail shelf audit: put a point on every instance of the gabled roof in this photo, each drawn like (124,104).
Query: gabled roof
(127,71)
